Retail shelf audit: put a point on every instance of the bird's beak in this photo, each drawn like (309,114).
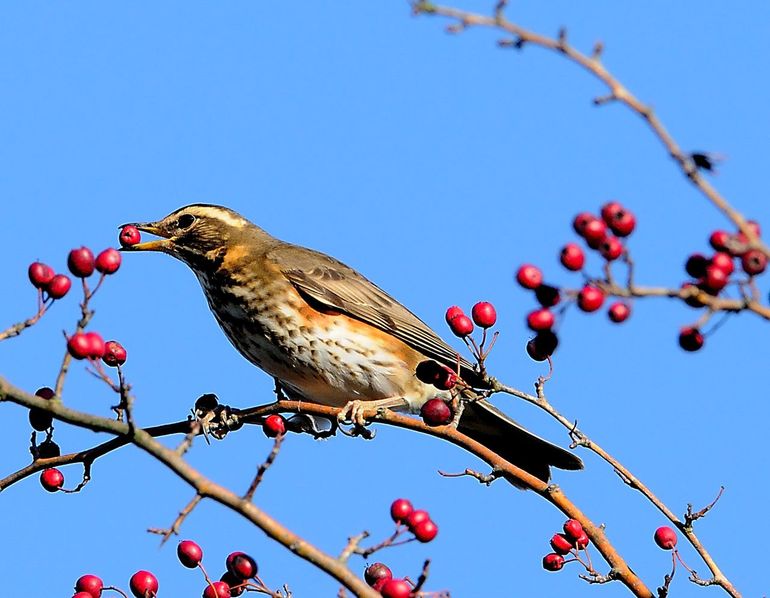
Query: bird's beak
(165,244)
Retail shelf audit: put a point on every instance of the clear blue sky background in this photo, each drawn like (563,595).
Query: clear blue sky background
(435,164)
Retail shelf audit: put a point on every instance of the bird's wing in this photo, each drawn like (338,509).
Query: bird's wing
(335,285)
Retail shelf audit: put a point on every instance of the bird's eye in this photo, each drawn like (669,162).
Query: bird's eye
(185,221)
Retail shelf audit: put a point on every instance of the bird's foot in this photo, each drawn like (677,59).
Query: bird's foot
(353,413)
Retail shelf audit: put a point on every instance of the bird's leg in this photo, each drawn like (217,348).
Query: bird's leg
(353,412)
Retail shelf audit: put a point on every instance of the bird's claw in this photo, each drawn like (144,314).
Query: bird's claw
(353,413)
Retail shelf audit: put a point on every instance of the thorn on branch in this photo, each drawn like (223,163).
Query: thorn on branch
(605,99)
(485,479)
(561,39)
(597,51)
(174,529)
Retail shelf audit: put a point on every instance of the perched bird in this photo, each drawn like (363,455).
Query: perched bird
(323,331)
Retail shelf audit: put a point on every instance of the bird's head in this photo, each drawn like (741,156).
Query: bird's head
(199,235)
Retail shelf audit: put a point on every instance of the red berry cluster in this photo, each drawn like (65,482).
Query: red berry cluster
(380,577)
(417,521)
(712,274)
(81,263)
(483,314)
(90,345)
(240,569)
(571,541)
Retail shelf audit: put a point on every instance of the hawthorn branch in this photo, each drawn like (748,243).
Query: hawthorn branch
(616,92)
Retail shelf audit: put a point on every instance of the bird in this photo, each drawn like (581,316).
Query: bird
(324,332)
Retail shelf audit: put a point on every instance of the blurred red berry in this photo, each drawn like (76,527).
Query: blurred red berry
(436,412)
(40,274)
(623,223)
(108,261)
(461,326)
(96,345)
(90,584)
(59,286)
(415,518)
(581,221)
(83,595)
(114,354)
(143,584)
(754,262)
(129,235)
(719,240)
(547,296)
(79,346)
(619,312)
(590,298)
(425,531)
(723,261)
(452,313)
(540,319)
(610,211)
(274,425)
(573,529)
(696,265)
(377,575)
(716,279)
(553,562)
(484,314)
(52,479)
(400,509)
(217,589)
(241,565)
(530,277)
(542,346)
(690,339)
(396,588)
(611,248)
(665,537)
(753,226)
(190,553)
(81,262)
(572,257)
(561,544)
(594,232)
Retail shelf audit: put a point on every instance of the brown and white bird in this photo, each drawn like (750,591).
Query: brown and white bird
(323,331)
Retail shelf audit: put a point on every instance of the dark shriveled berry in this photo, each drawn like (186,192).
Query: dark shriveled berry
(547,296)
(543,345)
(696,265)
(48,449)
(690,339)
(377,575)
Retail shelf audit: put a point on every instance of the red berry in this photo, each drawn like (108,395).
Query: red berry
(79,346)
(143,584)
(40,274)
(561,544)
(754,262)
(540,319)
(610,211)
(90,584)
(83,595)
(189,553)
(241,565)
(542,346)
(52,479)
(594,232)
(623,224)
(217,589)
(573,529)
(530,277)
(547,296)
(582,541)
(696,265)
(377,575)
(581,221)
(237,586)
(572,257)
(425,531)
(114,354)
(690,339)
(274,425)
(665,537)
(415,518)
(445,379)
(484,314)
(436,412)
(716,279)
(461,326)
(129,235)
(590,298)
(719,240)
(59,286)
(400,509)
(553,562)
(396,588)
(452,313)
(723,261)
(619,312)
(611,248)
(108,261)
(81,262)
(96,345)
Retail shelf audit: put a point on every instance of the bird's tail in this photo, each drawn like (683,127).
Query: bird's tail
(491,427)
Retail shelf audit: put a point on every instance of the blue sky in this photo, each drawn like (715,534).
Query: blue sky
(435,164)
